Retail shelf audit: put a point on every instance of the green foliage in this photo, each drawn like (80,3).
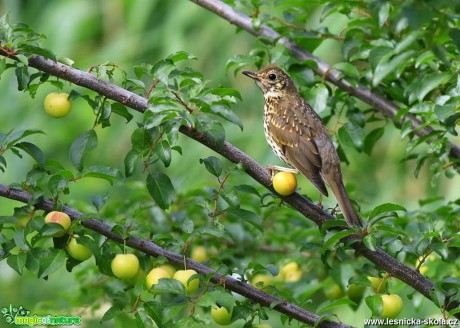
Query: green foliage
(407,52)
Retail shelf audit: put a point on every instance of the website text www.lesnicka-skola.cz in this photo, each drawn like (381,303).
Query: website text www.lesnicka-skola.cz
(412,322)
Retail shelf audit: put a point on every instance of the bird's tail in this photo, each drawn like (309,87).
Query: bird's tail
(345,204)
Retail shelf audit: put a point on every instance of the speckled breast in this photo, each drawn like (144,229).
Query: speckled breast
(275,147)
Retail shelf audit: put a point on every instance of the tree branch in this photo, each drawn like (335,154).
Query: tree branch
(150,248)
(382,260)
(334,76)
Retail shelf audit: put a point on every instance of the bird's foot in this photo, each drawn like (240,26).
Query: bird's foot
(320,201)
(275,168)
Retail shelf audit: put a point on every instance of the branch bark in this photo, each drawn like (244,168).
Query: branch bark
(382,260)
(150,248)
(377,101)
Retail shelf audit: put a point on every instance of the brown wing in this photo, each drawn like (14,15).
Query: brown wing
(293,133)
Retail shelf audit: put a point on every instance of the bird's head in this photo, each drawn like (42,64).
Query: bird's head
(272,80)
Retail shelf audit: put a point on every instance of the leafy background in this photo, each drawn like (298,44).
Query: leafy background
(132,32)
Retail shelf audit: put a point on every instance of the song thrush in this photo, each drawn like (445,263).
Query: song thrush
(298,137)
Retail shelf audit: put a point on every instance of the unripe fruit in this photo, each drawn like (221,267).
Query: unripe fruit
(169,268)
(57,104)
(293,276)
(290,272)
(153,278)
(333,292)
(183,276)
(199,254)
(125,266)
(78,251)
(261,280)
(284,183)
(59,218)
(392,305)
(355,292)
(288,267)
(221,315)
(377,283)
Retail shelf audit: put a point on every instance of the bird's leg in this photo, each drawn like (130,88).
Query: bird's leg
(320,201)
(274,168)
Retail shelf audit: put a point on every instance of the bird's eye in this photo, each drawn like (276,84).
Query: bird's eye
(272,76)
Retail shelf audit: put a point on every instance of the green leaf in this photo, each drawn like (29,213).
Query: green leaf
(181,55)
(22,59)
(334,237)
(12,138)
(420,88)
(384,208)
(51,259)
(130,162)
(35,152)
(31,49)
(57,183)
(328,305)
(17,262)
(384,13)
(378,54)
(160,70)
(141,139)
(375,304)
(227,114)
(226,93)
(121,110)
(454,34)
(217,296)
(102,172)
(23,77)
(348,69)
(334,223)
(81,146)
(163,151)
(437,296)
(231,197)
(388,66)
(248,216)
(213,128)
(2,66)
(319,103)
(213,165)
(161,189)
(351,136)
(111,313)
(406,129)
(171,286)
(370,242)
(417,16)
(371,139)
(157,312)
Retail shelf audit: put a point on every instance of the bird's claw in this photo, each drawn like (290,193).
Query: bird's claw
(275,168)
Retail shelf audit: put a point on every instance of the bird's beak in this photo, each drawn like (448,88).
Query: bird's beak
(252,75)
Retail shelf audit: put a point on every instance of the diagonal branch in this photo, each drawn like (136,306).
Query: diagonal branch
(150,248)
(381,259)
(377,101)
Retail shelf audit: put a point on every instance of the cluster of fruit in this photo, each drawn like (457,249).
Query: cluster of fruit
(77,251)
(289,272)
